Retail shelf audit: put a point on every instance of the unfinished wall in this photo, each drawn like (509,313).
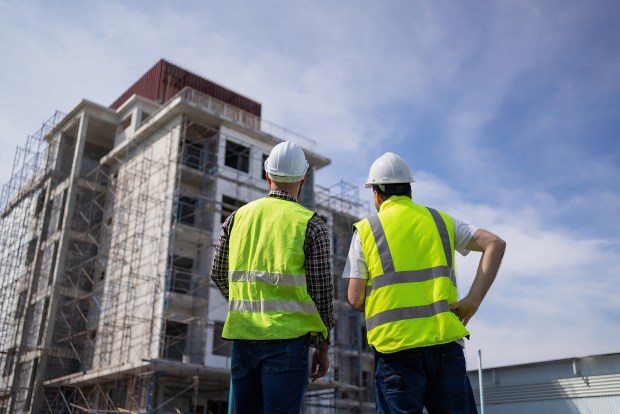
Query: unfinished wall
(119,261)
(139,208)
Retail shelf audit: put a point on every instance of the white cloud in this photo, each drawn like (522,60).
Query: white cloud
(554,292)
(362,79)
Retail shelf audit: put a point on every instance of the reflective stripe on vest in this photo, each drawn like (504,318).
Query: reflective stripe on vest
(267,282)
(411,312)
(390,276)
(266,277)
(271,306)
(409,307)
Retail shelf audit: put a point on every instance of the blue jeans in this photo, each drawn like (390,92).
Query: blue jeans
(434,376)
(271,376)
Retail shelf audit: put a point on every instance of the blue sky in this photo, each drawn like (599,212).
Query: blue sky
(508,113)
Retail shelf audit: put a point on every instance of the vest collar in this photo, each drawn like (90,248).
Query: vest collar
(402,200)
(282,195)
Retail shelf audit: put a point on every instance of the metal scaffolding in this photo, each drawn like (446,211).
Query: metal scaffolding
(105,262)
(21,204)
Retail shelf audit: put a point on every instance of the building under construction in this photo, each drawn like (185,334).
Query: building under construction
(108,226)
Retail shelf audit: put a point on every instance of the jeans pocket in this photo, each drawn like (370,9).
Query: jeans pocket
(391,377)
(399,387)
(455,378)
(287,356)
(453,367)
(241,363)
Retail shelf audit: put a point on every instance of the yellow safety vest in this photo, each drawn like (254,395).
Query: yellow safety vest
(409,251)
(268,297)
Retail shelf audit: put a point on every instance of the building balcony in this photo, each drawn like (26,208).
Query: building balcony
(240,117)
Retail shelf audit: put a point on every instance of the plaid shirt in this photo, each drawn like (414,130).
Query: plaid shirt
(318,267)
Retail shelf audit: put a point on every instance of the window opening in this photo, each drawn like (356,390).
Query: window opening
(230,204)
(174,340)
(186,210)
(237,156)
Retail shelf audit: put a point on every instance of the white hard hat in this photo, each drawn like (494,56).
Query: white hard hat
(286,163)
(389,169)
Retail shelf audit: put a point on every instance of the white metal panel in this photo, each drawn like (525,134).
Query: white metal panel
(550,370)
(599,364)
(578,385)
(593,405)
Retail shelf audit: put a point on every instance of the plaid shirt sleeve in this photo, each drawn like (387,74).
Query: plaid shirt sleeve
(318,269)
(219,268)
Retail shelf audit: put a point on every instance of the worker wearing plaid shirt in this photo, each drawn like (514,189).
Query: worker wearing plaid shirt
(269,368)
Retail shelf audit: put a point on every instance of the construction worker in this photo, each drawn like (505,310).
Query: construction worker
(272,264)
(402,275)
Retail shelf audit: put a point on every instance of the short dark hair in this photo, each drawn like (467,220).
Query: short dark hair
(400,189)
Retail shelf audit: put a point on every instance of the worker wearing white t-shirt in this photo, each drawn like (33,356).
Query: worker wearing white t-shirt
(355,266)
(402,275)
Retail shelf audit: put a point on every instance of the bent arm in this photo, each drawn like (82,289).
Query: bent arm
(356,271)
(356,294)
(492,248)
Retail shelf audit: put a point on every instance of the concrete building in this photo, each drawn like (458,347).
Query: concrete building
(107,227)
(108,224)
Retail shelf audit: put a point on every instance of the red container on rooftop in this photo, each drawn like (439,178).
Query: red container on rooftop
(164,80)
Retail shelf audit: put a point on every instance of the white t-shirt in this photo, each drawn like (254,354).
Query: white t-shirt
(356,268)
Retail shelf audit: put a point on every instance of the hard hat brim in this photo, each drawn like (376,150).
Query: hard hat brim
(286,178)
(369,184)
